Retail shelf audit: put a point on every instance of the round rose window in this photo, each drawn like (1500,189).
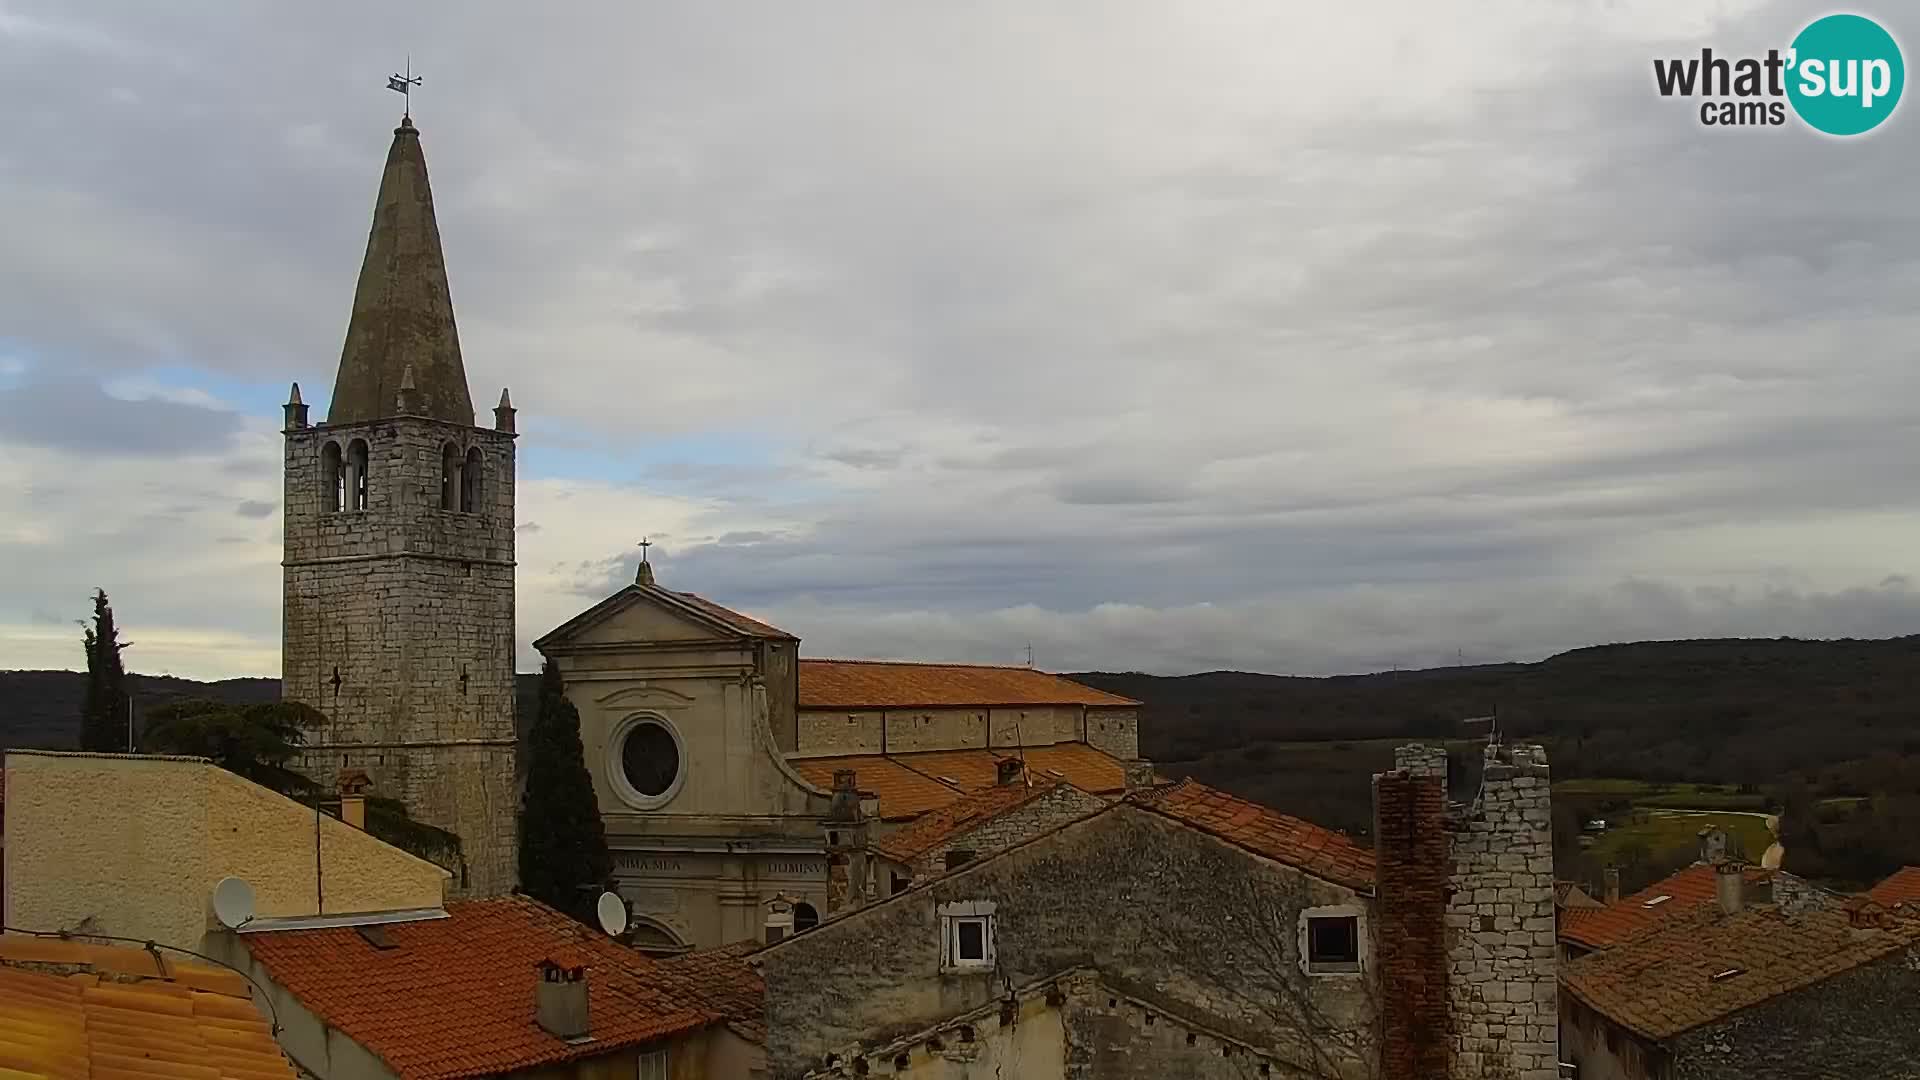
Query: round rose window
(650,758)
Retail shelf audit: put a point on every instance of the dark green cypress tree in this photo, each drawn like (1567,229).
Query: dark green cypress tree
(103,716)
(563,845)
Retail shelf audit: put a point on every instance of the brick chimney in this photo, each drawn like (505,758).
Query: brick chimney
(1611,876)
(1010,771)
(1729,885)
(1411,853)
(560,996)
(352,785)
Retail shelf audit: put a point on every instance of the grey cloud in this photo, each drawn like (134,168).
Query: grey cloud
(69,412)
(255,508)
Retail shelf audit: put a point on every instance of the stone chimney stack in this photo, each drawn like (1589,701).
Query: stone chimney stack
(846,829)
(1138,774)
(560,997)
(1611,876)
(1729,885)
(1011,770)
(352,785)
(503,413)
(1713,844)
(1503,997)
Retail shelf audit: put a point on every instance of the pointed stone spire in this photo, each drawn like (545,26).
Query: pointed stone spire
(503,413)
(296,409)
(644,576)
(402,308)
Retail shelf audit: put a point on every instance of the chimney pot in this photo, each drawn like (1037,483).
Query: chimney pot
(560,997)
(1010,771)
(1611,876)
(352,784)
(1729,884)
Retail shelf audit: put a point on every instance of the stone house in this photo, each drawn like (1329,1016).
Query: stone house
(1750,988)
(1180,931)
(1017,808)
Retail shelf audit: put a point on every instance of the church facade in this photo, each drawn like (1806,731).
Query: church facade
(737,779)
(399,552)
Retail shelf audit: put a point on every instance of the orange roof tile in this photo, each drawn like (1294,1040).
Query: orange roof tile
(1902,887)
(725,982)
(886,684)
(1327,854)
(909,785)
(1694,969)
(184,1021)
(929,829)
(1685,891)
(454,997)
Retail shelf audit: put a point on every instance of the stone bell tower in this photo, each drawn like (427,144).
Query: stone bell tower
(398,561)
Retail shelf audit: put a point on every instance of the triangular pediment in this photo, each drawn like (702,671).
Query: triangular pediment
(639,615)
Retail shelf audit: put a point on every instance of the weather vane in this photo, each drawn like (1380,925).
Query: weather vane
(404,85)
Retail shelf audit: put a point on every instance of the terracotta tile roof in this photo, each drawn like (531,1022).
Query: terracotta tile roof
(744,624)
(929,829)
(1685,891)
(1701,966)
(909,785)
(1322,852)
(454,997)
(885,684)
(1903,887)
(725,982)
(187,1021)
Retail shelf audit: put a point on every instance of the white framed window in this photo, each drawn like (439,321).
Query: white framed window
(653,1065)
(966,936)
(1333,940)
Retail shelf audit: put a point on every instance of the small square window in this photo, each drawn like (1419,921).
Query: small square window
(1333,943)
(967,937)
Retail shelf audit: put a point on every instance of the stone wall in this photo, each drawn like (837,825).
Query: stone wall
(1859,1023)
(900,731)
(1048,811)
(1182,921)
(1116,731)
(1503,986)
(399,625)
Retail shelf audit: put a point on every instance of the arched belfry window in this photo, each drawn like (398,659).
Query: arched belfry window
(470,476)
(333,480)
(450,463)
(357,474)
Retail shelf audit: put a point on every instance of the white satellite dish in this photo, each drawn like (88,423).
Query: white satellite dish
(233,903)
(613,914)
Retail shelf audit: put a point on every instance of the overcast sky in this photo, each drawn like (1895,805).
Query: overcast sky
(1163,336)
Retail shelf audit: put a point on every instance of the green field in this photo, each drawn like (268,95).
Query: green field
(1674,830)
(1672,796)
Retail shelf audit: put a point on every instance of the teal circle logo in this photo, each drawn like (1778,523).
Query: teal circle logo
(1847,74)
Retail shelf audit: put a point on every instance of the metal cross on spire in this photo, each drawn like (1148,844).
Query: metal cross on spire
(645,574)
(404,85)
(644,545)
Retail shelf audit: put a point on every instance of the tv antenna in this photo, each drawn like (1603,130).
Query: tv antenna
(1493,726)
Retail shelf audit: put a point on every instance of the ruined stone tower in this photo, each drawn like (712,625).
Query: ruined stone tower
(399,551)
